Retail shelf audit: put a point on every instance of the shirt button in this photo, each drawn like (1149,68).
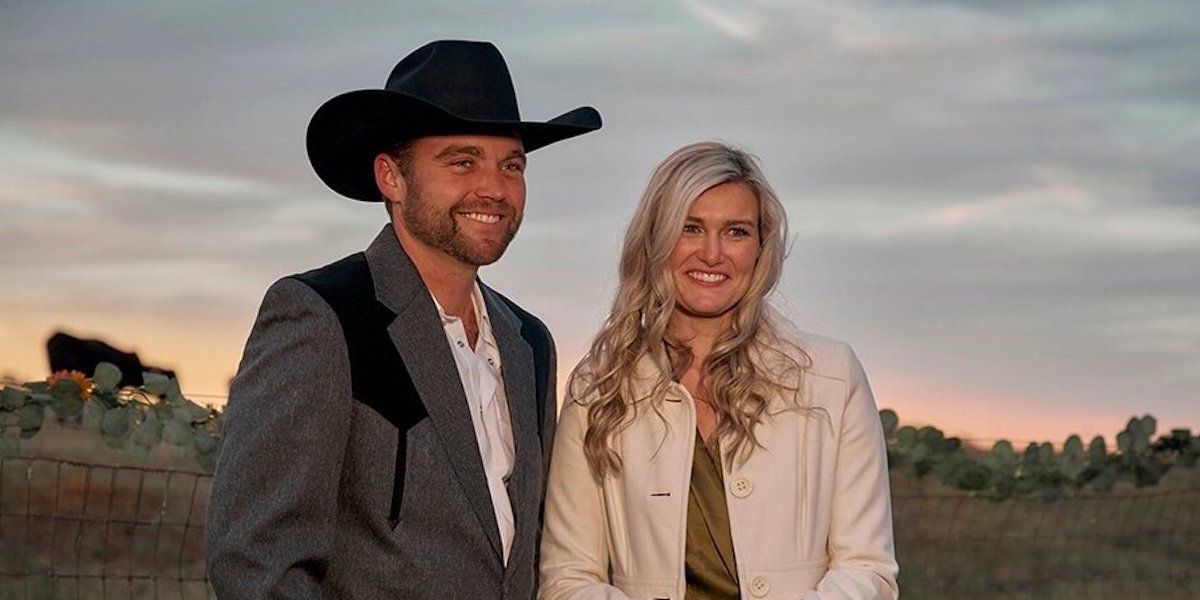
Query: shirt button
(760,587)
(741,487)
(460,344)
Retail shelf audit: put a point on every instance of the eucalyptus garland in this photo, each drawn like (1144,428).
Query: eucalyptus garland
(132,419)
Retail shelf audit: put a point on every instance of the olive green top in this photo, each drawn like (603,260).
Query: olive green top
(708,564)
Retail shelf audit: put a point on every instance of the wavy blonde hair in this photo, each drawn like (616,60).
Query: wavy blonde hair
(735,378)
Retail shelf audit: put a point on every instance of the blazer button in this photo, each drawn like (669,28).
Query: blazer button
(741,487)
(760,587)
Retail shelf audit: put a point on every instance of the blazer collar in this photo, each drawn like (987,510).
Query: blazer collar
(419,337)
(396,278)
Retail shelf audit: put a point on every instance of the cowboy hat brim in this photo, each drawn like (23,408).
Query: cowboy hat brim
(348,131)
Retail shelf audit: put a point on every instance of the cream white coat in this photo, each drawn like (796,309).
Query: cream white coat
(809,512)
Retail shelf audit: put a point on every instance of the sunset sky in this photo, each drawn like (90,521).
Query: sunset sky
(995,203)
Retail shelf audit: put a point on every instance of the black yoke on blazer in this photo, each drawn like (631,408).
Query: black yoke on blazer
(378,377)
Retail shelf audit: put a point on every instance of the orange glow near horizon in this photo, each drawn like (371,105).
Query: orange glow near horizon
(984,417)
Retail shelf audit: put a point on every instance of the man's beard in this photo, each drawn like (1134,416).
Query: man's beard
(439,228)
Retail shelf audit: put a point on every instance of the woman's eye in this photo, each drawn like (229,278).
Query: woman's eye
(690,228)
(739,232)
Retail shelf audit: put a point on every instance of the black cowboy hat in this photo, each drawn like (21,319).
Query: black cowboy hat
(444,87)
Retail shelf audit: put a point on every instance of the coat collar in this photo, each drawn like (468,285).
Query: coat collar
(775,356)
(419,337)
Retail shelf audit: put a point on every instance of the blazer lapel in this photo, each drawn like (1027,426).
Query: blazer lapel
(421,341)
(517,369)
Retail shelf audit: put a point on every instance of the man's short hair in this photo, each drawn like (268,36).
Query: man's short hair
(402,153)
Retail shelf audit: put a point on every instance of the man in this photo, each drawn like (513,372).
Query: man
(389,427)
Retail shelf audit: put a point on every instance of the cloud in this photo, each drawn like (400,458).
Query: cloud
(743,27)
(976,186)
(25,157)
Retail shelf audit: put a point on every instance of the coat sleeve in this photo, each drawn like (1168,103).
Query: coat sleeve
(574,554)
(862,558)
(274,498)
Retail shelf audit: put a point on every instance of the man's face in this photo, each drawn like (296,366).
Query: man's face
(465,195)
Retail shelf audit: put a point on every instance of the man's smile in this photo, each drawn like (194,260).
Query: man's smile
(489,219)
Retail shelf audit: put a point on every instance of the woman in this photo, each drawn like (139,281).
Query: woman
(706,449)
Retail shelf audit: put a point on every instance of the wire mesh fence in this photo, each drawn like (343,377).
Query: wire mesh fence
(78,530)
(1136,544)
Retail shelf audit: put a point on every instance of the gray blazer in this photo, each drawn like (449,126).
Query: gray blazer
(343,473)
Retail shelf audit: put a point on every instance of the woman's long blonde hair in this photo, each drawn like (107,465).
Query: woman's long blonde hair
(737,383)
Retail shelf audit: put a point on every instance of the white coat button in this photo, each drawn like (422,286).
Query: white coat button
(741,487)
(760,587)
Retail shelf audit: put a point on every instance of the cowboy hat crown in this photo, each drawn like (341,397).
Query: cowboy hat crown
(443,87)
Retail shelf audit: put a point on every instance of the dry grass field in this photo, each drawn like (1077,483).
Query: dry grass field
(1129,543)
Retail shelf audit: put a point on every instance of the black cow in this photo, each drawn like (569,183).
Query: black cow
(69,353)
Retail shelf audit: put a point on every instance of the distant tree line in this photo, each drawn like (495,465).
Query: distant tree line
(1002,472)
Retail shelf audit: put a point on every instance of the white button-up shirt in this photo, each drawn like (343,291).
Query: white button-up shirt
(479,370)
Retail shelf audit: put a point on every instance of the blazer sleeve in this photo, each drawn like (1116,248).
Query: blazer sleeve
(862,558)
(574,553)
(273,505)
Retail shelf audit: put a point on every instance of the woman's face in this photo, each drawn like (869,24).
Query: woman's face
(715,254)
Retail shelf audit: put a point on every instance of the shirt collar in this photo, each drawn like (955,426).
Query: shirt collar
(476,302)
(487,340)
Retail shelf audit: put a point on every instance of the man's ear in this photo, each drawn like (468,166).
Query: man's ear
(388,178)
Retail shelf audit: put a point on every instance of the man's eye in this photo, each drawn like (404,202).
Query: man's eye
(514,167)
(466,162)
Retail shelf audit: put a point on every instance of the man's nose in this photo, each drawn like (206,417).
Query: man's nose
(490,184)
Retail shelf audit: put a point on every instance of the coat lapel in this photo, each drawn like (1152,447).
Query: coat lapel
(517,369)
(421,341)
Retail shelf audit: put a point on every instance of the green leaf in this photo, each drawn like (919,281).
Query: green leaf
(107,376)
(12,398)
(177,433)
(205,442)
(889,420)
(30,417)
(156,383)
(1148,424)
(65,388)
(10,446)
(206,446)
(67,406)
(189,412)
(173,393)
(1073,446)
(93,416)
(135,448)
(1125,441)
(1097,452)
(116,424)
(148,433)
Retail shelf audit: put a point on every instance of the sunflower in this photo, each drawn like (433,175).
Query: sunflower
(84,383)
